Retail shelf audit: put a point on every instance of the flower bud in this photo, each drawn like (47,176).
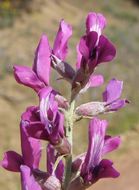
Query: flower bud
(52,183)
(63,68)
(90,109)
(62,101)
(63,147)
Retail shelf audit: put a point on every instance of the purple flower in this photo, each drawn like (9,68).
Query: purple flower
(60,48)
(27,163)
(95,22)
(38,77)
(94,81)
(93,49)
(52,156)
(46,122)
(92,166)
(111,96)
(111,101)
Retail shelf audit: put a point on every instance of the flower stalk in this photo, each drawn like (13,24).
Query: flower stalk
(69,121)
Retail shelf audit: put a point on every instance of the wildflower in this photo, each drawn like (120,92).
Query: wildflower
(27,163)
(38,76)
(92,50)
(92,166)
(46,122)
(111,101)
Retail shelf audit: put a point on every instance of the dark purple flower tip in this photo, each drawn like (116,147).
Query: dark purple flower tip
(106,170)
(116,105)
(60,48)
(12,161)
(42,62)
(24,75)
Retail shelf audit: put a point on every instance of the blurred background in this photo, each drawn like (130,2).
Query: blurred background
(21,24)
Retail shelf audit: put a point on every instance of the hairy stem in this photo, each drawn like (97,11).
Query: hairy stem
(69,118)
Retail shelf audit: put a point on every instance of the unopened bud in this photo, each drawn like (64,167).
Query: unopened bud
(52,183)
(90,109)
(62,102)
(63,147)
(63,68)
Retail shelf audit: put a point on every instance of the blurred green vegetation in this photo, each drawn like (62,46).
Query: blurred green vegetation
(11,9)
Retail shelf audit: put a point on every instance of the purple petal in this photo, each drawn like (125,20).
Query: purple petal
(77,162)
(97,130)
(12,161)
(58,128)
(48,106)
(24,75)
(31,114)
(113,91)
(42,62)
(60,171)
(37,130)
(83,49)
(60,48)
(31,148)
(106,170)
(51,159)
(79,57)
(64,69)
(28,181)
(110,144)
(87,45)
(62,101)
(95,22)
(106,51)
(118,104)
(52,183)
(94,81)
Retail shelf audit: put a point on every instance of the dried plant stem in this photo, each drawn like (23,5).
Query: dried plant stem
(69,118)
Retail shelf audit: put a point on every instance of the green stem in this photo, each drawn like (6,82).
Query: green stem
(69,118)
